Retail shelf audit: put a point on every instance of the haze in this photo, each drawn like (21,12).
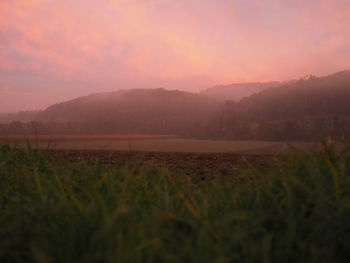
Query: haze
(54,50)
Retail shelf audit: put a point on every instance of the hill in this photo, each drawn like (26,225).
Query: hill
(298,110)
(237,91)
(134,111)
(22,116)
(303,109)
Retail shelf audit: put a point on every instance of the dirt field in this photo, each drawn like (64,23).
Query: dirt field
(199,158)
(198,166)
(151,143)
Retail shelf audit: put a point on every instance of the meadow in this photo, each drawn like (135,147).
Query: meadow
(150,143)
(54,210)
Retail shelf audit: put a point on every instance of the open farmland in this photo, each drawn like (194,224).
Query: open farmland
(295,210)
(202,159)
(151,143)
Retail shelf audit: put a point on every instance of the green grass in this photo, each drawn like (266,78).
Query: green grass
(299,211)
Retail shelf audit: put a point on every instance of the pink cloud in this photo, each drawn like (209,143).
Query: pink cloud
(97,45)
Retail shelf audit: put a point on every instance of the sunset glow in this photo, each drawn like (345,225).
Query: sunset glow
(54,50)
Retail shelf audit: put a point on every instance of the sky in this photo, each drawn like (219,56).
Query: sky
(55,50)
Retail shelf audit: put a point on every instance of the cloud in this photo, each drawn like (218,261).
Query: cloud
(71,48)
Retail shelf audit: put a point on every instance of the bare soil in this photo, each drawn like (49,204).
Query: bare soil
(200,165)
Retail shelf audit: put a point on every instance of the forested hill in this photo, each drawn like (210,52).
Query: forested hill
(237,91)
(23,116)
(142,110)
(308,107)
(308,97)
(301,110)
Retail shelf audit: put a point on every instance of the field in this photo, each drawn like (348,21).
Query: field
(107,206)
(151,143)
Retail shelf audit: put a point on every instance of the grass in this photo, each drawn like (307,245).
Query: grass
(299,211)
(158,143)
(73,137)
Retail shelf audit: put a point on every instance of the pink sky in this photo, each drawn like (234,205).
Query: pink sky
(54,50)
